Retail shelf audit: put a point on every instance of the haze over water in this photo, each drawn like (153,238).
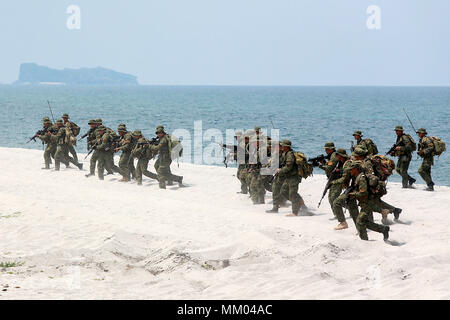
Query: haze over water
(309,116)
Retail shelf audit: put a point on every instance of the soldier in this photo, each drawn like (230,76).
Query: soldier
(361,192)
(257,190)
(143,152)
(62,150)
(75,131)
(336,189)
(164,160)
(126,145)
(404,149)
(328,166)
(50,149)
(287,174)
(426,149)
(366,144)
(103,146)
(110,166)
(92,139)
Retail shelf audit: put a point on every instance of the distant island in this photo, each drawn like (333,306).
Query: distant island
(32,73)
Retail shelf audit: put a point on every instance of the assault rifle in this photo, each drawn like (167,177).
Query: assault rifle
(335,174)
(86,134)
(315,162)
(352,147)
(90,150)
(152,142)
(40,133)
(347,194)
(392,149)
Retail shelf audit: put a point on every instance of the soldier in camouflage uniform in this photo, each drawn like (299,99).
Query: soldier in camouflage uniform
(362,193)
(164,160)
(336,188)
(328,165)
(109,165)
(242,159)
(287,175)
(62,149)
(75,131)
(92,139)
(426,150)
(403,151)
(257,190)
(104,144)
(144,153)
(50,148)
(126,145)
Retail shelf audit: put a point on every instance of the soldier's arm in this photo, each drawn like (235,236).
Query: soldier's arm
(330,165)
(103,142)
(363,190)
(290,161)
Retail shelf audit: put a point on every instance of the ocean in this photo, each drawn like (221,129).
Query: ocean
(308,116)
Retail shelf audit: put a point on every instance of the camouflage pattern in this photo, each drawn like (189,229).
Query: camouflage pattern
(62,149)
(364,220)
(426,148)
(144,154)
(404,155)
(104,154)
(164,161)
(126,162)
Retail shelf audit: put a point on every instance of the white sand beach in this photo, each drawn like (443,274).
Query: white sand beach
(72,237)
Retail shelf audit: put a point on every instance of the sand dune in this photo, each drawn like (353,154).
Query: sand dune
(75,237)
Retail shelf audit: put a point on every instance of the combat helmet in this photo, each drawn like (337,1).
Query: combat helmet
(329,145)
(422,130)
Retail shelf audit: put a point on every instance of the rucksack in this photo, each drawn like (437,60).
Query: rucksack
(414,148)
(69,138)
(304,168)
(439,146)
(383,166)
(376,186)
(175,147)
(371,146)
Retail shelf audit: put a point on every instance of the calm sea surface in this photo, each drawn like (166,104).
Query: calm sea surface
(309,116)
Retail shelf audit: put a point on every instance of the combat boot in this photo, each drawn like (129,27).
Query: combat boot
(397,212)
(180,182)
(89,175)
(386,233)
(411,181)
(124,179)
(430,187)
(80,166)
(341,226)
(273,210)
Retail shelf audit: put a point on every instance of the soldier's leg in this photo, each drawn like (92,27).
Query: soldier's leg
(276,192)
(92,162)
(242,179)
(425,171)
(131,167)
(124,165)
(110,162)
(58,157)
(47,157)
(338,208)
(146,172)
(402,169)
(163,174)
(333,193)
(139,171)
(262,190)
(294,196)
(101,163)
(73,153)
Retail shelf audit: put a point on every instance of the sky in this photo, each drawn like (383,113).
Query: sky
(234,42)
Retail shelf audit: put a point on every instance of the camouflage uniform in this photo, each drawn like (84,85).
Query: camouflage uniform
(164,160)
(104,144)
(75,131)
(62,149)
(143,152)
(257,190)
(361,192)
(288,176)
(404,157)
(426,149)
(328,167)
(126,162)
(50,148)
(91,140)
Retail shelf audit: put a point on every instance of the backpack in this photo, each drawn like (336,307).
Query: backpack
(376,186)
(304,168)
(69,138)
(439,146)
(175,147)
(383,166)
(414,145)
(371,146)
